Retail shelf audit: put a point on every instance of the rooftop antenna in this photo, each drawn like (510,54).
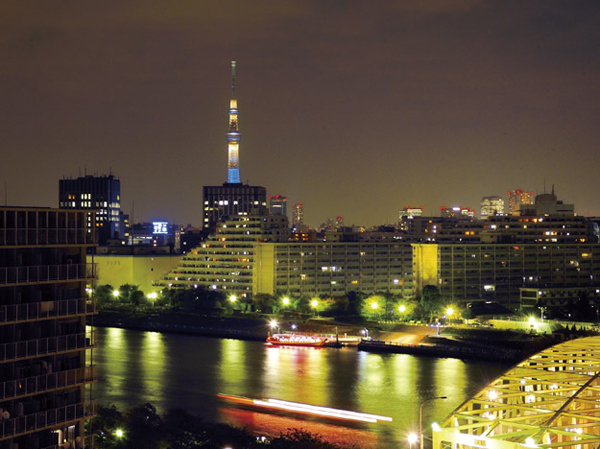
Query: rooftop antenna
(544,184)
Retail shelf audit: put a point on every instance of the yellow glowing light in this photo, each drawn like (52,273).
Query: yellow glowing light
(412,438)
(152,295)
(232,298)
(402,309)
(374,305)
(286,301)
(314,303)
(449,311)
(116,293)
(119,433)
(273,324)
(531,320)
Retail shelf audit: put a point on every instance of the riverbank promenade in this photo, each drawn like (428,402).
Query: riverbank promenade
(504,345)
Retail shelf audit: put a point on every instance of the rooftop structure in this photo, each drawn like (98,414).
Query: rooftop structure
(278,205)
(547,401)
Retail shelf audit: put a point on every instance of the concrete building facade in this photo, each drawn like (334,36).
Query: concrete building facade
(45,378)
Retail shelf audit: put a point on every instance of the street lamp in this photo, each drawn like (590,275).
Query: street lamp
(402,309)
(273,324)
(449,313)
(421,417)
(115,293)
(314,304)
(232,299)
(152,297)
(412,438)
(286,301)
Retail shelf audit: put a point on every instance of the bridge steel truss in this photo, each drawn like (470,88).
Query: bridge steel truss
(551,400)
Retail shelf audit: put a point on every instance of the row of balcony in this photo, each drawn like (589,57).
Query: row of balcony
(46,273)
(47,309)
(80,442)
(28,386)
(19,350)
(47,419)
(37,237)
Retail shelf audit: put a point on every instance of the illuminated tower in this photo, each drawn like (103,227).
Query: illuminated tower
(233,136)
(232,198)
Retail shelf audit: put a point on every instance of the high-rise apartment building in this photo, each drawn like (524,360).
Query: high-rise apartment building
(517,198)
(228,200)
(233,197)
(101,195)
(298,217)
(491,206)
(278,205)
(408,213)
(460,212)
(45,377)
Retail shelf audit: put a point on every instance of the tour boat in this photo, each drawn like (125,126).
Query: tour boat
(296,340)
(278,405)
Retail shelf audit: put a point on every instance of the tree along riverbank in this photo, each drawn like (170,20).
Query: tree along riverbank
(143,427)
(453,342)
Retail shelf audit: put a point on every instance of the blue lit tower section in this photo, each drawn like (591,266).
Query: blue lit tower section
(233,136)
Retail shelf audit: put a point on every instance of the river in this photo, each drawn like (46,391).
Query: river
(185,371)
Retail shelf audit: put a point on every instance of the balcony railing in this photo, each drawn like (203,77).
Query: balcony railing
(15,426)
(46,273)
(80,443)
(42,346)
(47,309)
(39,384)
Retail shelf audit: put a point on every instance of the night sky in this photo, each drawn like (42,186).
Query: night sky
(354,108)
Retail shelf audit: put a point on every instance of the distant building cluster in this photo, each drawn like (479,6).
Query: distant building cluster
(535,247)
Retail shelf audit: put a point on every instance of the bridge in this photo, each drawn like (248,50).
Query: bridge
(551,400)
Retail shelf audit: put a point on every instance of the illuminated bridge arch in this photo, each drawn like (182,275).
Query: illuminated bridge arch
(551,400)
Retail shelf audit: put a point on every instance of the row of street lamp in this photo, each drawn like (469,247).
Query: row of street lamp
(286,301)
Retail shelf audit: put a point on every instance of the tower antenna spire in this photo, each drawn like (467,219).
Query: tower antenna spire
(232,79)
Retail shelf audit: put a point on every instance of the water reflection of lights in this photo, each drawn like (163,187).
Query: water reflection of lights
(275,425)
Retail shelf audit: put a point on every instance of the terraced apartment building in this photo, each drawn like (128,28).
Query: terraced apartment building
(555,259)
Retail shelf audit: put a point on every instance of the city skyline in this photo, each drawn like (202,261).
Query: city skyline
(352,110)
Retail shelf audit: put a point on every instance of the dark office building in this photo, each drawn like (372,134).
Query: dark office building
(232,199)
(101,194)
